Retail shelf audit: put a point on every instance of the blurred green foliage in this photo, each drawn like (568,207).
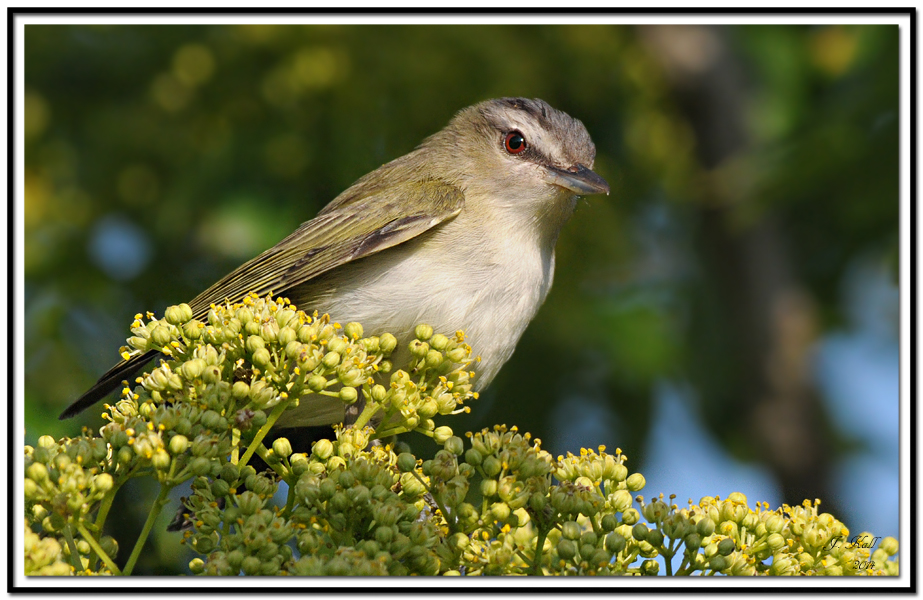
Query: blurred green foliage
(160,157)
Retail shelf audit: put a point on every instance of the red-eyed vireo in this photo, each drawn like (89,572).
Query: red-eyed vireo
(458,234)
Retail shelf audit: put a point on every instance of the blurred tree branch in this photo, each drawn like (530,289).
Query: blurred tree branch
(767,320)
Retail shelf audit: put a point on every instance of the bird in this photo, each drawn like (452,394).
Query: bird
(458,234)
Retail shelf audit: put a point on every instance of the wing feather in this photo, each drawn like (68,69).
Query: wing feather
(347,232)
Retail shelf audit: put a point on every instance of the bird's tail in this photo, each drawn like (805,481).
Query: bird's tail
(109,382)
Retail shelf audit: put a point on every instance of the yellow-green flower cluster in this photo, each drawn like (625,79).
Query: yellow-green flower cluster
(235,526)
(351,510)
(501,505)
(438,383)
(44,555)
(729,537)
(64,482)
(225,381)
(269,354)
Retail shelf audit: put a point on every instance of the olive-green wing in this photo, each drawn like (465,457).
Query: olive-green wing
(349,232)
(335,238)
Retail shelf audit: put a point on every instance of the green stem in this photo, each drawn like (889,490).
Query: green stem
(539,549)
(75,554)
(258,438)
(148,525)
(683,566)
(274,463)
(235,444)
(668,551)
(367,413)
(449,519)
(98,549)
(104,506)
(524,558)
(290,501)
(389,432)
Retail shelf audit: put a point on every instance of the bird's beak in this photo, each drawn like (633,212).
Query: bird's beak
(577,179)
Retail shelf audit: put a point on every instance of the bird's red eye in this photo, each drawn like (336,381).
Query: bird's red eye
(514,142)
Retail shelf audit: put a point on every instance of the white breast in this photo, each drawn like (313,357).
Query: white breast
(487,281)
(492,298)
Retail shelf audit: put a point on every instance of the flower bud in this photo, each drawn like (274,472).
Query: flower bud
(705,527)
(621,500)
(197,566)
(103,482)
(433,358)
(192,369)
(732,512)
(331,360)
(337,345)
(161,336)
(650,567)
(693,541)
(174,315)
(37,472)
(726,546)
(473,457)
(269,330)
(442,434)
(427,409)
(286,336)
(455,445)
(249,503)
(489,488)
(281,447)
(379,393)
(125,455)
(457,355)
(317,383)
(635,482)
(240,390)
(423,332)
(655,511)
(348,395)
(251,565)
(387,343)
(775,524)
(500,511)
(737,498)
(639,532)
(631,516)
(353,331)
(262,358)
(782,565)
(411,486)
(193,330)
(889,545)
(294,349)
(588,538)
(775,541)
(200,466)
(161,459)
(406,462)
(418,349)
(492,466)
(566,549)
(30,489)
(139,343)
(439,342)
(615,543)
(718,562)
(254,343)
